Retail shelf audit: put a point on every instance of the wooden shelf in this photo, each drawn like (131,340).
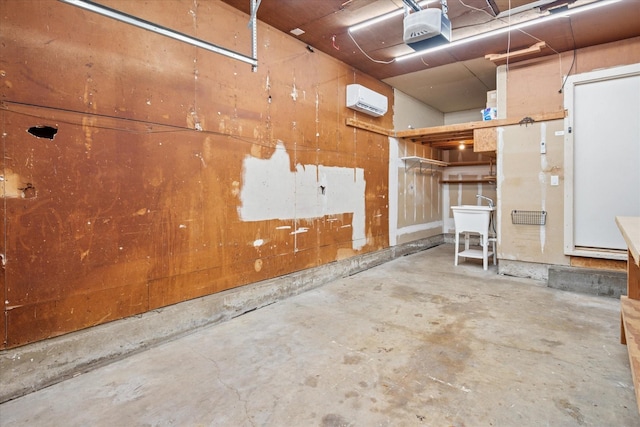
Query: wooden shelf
(630,304)
(518,55)
(630,310)
(414,161)
(478,163)
(469,181)
(450,136)
(453,134)
(474,253)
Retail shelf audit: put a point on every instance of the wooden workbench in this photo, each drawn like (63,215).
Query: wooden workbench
(630,304)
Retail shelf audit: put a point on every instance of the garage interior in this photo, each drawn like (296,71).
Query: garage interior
(190,171)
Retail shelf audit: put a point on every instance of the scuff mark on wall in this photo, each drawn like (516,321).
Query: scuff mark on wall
(13,185)
(88,124)
(270,190)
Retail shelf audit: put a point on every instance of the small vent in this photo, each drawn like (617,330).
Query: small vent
(374,110)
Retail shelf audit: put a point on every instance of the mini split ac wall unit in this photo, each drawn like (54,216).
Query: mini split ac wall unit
(366,101)
(426,28)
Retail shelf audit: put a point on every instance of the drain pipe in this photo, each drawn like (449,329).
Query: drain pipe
(159,29)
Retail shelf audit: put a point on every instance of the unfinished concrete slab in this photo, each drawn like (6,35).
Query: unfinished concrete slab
(411,342)
(589,280)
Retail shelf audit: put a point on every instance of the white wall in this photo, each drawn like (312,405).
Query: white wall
(414,196)
(464,116)
(408,113)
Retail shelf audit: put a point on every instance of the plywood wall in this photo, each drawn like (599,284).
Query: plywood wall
(175,172)
(534,87)
(525,184)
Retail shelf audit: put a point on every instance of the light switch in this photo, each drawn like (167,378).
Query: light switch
(555,180)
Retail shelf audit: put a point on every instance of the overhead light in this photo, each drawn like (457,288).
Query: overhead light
(461,146)
(506,29)
(524,8)
(159,29)
(381,18)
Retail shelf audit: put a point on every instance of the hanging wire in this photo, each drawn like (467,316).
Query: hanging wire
(573,61)
(377,61)
(508,38)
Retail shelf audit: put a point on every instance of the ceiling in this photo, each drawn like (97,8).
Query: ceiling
(458,77)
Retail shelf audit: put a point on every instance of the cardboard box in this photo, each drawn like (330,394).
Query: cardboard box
(489,113)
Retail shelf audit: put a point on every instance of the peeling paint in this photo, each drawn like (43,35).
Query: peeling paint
(12,185)
(272,191)
(88,124)
(299,230)
(235,188)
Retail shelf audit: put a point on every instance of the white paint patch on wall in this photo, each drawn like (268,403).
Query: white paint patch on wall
(270,190)
(543,183)
(499,182)
(419,227)
(394,164)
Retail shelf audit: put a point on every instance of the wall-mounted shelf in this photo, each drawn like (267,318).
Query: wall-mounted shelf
(474,163)
(487,179)
(415,161)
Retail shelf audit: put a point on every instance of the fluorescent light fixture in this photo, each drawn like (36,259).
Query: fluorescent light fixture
(524,8)
(158,29)
(506,29)
(386,16)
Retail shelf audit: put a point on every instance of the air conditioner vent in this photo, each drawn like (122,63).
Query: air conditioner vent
(366,101)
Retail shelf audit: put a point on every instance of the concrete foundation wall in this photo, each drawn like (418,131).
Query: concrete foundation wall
(34,366)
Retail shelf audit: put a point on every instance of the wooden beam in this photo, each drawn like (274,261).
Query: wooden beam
(458,131)
(475,163)
(368,126)
(502,58)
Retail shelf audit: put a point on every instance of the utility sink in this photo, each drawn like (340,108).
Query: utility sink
(462,208)
(474,219)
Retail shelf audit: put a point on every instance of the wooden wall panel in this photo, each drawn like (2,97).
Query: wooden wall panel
(142,198)
(533,87)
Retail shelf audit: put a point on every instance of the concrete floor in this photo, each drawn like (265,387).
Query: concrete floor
(413,342)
